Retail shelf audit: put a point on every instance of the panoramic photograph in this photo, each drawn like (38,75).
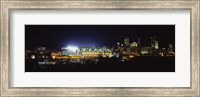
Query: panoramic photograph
(99,48)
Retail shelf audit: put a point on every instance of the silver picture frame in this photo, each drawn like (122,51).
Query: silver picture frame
(8,5)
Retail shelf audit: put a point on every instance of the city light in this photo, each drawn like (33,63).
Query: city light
(72,48)
(100,48)
(32,56)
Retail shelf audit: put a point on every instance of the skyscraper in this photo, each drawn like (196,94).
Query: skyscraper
(133,44)
(170,47)
(154,43)
(126,41)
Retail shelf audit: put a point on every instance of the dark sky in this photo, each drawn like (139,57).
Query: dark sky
(57,36)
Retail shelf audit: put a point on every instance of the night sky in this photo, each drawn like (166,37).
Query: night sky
(57,36)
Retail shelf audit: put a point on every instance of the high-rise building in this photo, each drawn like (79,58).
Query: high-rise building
(170,47)
(170,50)
(133,44)
(154,43)
(126,41)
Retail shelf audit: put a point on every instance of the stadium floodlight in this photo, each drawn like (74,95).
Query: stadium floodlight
(72,48)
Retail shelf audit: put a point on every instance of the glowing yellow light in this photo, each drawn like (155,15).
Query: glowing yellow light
(131,56)
(108,53)
(62,57)
(75,57)
(90,53)
(53,63)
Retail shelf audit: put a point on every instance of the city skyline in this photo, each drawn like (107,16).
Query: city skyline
(58,36)
(100,48)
